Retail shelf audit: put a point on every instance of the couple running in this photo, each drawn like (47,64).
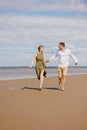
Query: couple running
(63,55)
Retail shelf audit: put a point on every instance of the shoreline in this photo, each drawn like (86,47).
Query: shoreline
(34,67)
(23,78)
(22,73)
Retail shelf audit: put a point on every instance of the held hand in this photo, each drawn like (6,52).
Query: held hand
(47,60)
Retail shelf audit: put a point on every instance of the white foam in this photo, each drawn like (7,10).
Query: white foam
(11,88)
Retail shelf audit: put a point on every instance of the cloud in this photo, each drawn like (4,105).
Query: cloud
(21,34)
(44,5)
(25,29)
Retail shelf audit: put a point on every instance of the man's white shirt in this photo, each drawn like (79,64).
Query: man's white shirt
(63,57)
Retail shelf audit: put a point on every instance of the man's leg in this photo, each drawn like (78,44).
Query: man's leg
(63,82)
(64,73)
(59,76)
(60,79)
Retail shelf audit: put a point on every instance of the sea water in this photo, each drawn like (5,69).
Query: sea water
(7,73)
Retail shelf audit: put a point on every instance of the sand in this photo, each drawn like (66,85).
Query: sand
(50,109)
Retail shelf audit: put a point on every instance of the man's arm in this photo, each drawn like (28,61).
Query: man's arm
(74,58)
(53,57)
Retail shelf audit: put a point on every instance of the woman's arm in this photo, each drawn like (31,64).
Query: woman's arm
(33,60)
(45,61)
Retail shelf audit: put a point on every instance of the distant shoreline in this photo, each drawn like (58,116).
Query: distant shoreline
(7,73)
(46,67)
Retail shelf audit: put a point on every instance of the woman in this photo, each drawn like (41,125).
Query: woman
(40,66)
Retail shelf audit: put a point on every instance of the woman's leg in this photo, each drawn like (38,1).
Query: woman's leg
(41,80)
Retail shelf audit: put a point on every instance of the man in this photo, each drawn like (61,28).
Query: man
(63,54)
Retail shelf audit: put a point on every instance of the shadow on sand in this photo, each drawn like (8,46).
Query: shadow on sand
(29,88)
(52,88)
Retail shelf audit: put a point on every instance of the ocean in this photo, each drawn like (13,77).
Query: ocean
(9,73)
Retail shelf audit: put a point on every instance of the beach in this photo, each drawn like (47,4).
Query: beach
(23,107)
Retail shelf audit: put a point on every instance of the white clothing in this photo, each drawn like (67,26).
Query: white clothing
(64,57)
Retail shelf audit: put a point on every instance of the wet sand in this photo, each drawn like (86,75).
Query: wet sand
(23,107)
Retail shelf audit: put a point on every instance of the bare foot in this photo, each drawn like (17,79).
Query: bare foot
(62,89)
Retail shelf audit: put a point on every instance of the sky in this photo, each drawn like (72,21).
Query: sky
(26,24)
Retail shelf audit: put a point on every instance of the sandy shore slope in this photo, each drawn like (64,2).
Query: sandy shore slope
(50,109)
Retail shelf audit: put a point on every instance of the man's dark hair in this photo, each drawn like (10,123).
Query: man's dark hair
(62,44)
(40,47)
